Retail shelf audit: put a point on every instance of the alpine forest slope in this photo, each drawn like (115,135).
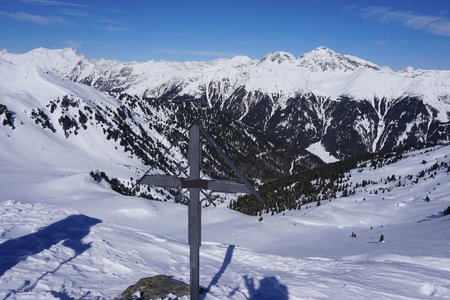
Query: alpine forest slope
(380,175)
(349,105)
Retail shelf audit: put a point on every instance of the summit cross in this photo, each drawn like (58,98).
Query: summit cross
(195,184)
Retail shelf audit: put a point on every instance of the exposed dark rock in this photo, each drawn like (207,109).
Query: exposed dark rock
(159,286)
(9,116)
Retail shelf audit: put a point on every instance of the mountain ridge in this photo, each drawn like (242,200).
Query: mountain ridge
(322,96)
(321,71)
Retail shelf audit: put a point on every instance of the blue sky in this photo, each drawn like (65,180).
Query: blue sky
(392,33)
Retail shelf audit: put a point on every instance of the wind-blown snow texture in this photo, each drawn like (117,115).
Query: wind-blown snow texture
(348,104)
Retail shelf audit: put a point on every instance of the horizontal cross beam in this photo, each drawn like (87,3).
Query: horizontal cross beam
(221,186)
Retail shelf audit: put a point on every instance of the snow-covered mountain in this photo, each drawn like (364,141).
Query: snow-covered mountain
(347,104)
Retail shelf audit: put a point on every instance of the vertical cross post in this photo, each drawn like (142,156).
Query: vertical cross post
(194,155)
(194,183)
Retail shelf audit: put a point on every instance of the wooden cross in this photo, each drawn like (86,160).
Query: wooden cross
(194,183)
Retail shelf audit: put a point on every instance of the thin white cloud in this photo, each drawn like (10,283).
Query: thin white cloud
(113,28)
(437,25)
(175,35)
(72,43)
(31,18)
(108,46)
(203,53)
(108,21)
(74,12)
(348,8)
(53,3)
(381,42)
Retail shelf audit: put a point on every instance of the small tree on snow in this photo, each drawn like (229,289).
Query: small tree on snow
(447,211)
(381,239)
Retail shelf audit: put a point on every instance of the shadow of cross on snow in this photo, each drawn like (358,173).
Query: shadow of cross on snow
(71,230)
(269,289)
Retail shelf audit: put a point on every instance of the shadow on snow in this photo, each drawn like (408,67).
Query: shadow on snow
(71,230)
(226,262)
(269,288)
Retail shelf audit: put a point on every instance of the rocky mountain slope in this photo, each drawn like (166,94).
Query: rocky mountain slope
(349,105)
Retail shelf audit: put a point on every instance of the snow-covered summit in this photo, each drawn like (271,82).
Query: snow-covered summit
(59,61)
(279,57)
(324,59)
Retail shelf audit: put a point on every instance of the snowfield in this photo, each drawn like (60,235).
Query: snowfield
(71,238)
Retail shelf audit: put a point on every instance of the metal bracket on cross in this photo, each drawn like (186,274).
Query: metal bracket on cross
(195,184)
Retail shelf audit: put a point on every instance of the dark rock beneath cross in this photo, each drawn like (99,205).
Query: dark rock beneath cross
(159,286)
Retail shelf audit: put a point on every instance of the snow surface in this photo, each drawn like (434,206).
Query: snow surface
(98,242)
(319,150)
(64,236)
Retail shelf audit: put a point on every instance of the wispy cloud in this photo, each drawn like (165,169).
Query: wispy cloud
(200,53)
(72,43)
(109,25)
(108,46)
(53,3)
(381,42)
(348,8)
(113,28)
(175,35)
(74,12)
(437,25)
(36,19)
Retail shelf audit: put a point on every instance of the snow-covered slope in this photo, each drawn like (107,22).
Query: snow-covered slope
(313,98)
(48,121)
(67,237)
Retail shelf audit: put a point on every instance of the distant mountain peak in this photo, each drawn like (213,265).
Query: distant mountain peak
(279,57)
(240,59)
(325,59)
(324,50)
(65,52)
